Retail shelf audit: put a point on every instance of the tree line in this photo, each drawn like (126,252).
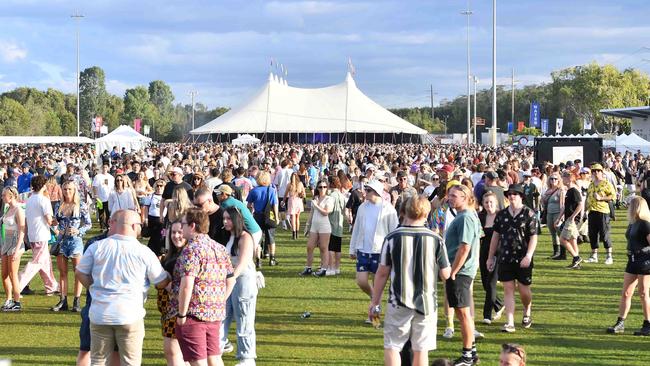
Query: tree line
(573,94)
(29,111)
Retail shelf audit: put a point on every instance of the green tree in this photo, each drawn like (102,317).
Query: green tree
(161,97)
(113,111)
(14,119)
(138,105)
(92,95)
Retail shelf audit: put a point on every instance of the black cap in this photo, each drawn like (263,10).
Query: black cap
(491,175)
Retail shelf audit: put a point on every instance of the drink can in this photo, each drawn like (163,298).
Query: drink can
(305,315)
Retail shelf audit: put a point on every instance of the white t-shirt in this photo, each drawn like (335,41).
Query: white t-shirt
(104,184)
(122,270)
(153,201)
(369,227)
(282,181)
(36,208)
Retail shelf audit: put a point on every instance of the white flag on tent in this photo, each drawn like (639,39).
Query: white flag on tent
(558,125)
(586,124)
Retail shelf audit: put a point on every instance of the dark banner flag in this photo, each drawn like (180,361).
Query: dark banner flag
(545,126)
(534,115)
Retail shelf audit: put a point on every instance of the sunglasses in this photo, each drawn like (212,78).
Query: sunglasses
(552,178)
(508,348)
(322,186)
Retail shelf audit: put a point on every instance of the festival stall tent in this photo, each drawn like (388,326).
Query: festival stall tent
(246,140)
(122,137)
(632,143)
(279,112)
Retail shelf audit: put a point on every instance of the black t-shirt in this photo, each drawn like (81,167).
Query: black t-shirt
(515,233)
(637,234)
(572,200)
(169,189)
(354,202)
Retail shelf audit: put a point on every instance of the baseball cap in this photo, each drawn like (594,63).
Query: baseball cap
(596,166)
(401,174)
(492,175)
(585,170)
(224,189)
(176,170)
(376,186)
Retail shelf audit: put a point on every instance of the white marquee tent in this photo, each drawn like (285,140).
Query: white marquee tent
(123,136)
(279,108)
(632,143)
(246,140)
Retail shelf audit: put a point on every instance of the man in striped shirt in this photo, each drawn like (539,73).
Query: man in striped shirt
(414,257)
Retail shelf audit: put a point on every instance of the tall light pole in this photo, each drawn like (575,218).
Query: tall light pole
(433,116)
(468,13)
(475,79)
(512,96)
(193,93)
(77,17)
(494,73)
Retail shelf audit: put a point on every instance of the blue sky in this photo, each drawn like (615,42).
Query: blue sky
(222,48)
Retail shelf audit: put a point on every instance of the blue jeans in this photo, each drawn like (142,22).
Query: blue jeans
(240,307)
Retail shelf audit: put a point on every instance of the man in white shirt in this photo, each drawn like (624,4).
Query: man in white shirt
(282,182)
(39,218)
(118,271)
(103,185)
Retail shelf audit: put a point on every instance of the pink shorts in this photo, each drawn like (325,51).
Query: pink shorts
(198,339)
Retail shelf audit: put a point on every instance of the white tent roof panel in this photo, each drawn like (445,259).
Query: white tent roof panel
(44,140)
(338,108)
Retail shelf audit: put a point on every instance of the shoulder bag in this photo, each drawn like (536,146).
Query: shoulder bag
(269,213)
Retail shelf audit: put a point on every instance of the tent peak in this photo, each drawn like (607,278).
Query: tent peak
(349,79)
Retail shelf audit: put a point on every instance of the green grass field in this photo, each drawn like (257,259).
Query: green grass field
(571,310)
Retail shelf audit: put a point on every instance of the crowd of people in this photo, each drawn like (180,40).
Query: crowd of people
(209,215)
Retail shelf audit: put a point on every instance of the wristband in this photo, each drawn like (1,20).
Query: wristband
(181,316)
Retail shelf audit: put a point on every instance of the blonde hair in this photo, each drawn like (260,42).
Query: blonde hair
(471,200)
(180,203)
(76,202)
(12,191)
(263,178)
(638,210)
(417,207)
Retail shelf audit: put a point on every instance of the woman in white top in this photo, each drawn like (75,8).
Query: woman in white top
(12,248)
(319,229)
(153,213)
(123,197)
(240,306)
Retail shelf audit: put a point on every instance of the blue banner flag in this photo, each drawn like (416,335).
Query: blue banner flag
(511,127)
(534,115)
(545,126)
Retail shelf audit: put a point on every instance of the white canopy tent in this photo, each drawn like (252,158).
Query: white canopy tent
(279,108)
(246,140)
(21,140)
(122,137)
(632,143)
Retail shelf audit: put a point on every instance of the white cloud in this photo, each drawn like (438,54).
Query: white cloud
(55,77)
(11,52)
(312,7)
(117,87)
(6,85)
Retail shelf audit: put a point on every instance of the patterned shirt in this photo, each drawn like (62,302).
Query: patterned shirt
(209,264)
(515,233)
(603,188)
(82,222)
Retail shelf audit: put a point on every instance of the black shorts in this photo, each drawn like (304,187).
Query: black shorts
(459,294)
(512,271)
(335,244)
(641,266)
(282,204)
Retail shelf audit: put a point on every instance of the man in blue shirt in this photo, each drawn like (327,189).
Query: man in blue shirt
(25,179)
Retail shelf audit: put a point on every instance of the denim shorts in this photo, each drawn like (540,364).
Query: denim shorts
(367,262)
(72,246)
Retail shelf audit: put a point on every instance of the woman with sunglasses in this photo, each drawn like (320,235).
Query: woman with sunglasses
(123,197)
(240,306)
(154,215)
(553,202)
(198,181)
(319,229)
(170,344)
(73,221)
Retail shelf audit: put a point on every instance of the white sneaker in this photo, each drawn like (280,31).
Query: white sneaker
(330,272)
(448,334)
(337,271)
(592,259)
(499,313)
(228,347)
(609,260)
(487,321)
(478,335)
